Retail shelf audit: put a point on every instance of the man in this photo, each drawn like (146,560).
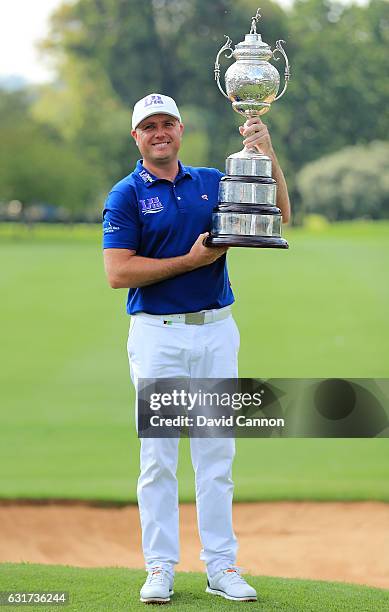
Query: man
(155,223)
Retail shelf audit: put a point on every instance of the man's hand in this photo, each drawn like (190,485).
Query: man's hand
(256,135)
(200,255)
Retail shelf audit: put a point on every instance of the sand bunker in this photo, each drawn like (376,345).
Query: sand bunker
(348,542)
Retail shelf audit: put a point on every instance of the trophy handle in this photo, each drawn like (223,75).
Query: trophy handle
(279,49)
(225,47)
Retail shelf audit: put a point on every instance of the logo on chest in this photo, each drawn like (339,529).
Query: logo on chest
(150,206)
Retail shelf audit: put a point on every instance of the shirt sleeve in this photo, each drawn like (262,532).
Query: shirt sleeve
(121,224)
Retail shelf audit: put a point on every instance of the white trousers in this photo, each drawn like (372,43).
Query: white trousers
(157,350)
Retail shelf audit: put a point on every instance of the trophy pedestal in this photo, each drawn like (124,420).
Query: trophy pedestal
(247,215)
(259,242)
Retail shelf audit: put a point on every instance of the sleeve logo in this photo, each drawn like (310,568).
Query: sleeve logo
(108,228)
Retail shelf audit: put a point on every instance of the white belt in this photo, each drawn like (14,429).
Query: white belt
(190,318)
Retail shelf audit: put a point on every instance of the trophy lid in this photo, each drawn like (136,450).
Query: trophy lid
(253,47)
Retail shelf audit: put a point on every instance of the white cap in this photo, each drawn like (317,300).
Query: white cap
(154,104)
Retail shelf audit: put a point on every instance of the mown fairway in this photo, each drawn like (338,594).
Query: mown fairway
(118,589)
(317,310)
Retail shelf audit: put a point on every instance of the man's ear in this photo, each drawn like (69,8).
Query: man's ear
(134,135)
(182,128)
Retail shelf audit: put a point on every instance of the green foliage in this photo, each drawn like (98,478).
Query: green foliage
(337,93)
(109,53)
(35,166)
(354,182)
(337,53)
(119,35)
(165,45)
(195,144)
(88,116)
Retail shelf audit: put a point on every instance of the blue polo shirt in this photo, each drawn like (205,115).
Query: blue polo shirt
(160,219)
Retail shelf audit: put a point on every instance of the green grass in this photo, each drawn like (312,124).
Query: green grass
(318,310)
(118,589)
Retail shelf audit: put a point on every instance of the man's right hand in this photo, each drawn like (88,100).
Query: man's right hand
(201,255)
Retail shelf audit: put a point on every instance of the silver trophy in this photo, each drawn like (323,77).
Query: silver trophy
(247,214)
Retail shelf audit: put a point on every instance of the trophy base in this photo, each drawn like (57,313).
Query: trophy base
(258,242)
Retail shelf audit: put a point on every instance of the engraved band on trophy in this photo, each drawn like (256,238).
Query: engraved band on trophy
(246,214)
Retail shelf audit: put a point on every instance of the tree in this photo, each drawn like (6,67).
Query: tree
(35,166)
(336,96)
(109,53)
(162,45)
(89,117)
(354,182)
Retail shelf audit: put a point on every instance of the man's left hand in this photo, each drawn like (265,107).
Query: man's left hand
(256,135)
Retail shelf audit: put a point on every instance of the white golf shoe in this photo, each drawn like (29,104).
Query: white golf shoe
(228,583)
(158,586)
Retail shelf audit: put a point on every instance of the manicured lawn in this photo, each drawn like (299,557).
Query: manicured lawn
(317,310)
(118,589)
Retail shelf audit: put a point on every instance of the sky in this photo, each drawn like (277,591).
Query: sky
(22,24)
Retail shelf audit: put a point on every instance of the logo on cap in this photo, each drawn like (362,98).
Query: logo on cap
(153,100)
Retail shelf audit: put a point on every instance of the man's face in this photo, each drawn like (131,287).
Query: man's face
(158,138)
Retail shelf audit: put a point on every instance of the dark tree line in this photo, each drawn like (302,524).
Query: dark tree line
(109,53)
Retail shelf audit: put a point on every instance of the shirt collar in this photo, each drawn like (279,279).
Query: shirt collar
(149,179)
